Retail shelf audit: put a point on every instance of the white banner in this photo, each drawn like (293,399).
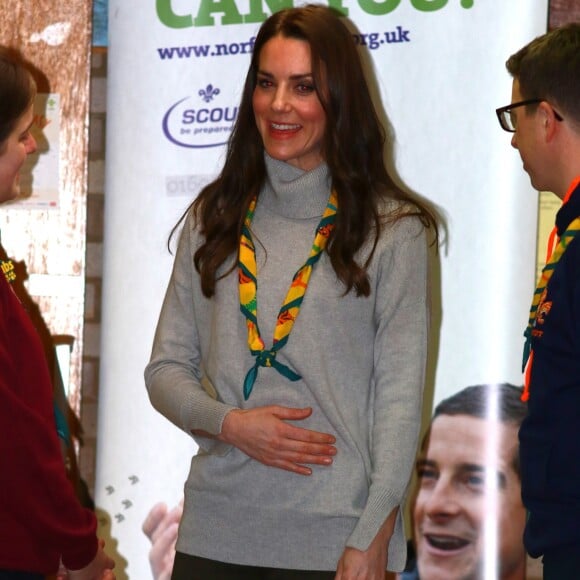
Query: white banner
(175,77)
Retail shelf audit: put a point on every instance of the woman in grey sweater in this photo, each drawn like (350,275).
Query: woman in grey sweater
(292,339)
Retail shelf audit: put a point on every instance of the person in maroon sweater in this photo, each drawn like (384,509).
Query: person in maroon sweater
(41,521)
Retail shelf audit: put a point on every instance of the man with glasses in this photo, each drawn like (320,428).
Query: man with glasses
(544,117)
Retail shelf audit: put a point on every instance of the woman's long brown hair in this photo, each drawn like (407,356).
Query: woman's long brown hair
(353,149)
(17,90)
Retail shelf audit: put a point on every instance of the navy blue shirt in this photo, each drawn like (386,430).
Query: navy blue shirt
(550,434)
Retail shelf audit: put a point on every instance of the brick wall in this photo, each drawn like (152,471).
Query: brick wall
(94,265)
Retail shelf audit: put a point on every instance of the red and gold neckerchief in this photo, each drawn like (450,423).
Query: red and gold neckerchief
(552,259)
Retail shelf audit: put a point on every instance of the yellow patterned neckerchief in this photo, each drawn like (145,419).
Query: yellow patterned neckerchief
(571,231)
(248,285)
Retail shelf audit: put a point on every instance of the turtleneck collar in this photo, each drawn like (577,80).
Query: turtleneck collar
(294,193)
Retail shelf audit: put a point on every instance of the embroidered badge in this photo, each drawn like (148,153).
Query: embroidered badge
(541,313)
(8,270)
(543,309)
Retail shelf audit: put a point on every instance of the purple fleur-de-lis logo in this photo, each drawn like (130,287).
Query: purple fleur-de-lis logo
(209,93)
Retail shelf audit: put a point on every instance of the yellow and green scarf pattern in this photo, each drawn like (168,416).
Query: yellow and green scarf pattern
(248,287)
(571,232)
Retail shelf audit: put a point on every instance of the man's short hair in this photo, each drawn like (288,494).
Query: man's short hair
(549,68)
(481,401)
(494,401)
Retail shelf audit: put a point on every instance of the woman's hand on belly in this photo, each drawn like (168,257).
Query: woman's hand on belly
(265,435)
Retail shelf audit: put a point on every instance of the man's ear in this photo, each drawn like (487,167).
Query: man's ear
(548,120)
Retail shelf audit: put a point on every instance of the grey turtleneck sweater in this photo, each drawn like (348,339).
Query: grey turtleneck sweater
(362,365)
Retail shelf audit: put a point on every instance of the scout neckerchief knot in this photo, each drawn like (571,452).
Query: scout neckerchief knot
(570,233)
(248,283)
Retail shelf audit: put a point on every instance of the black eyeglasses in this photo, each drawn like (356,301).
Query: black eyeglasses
(507,119)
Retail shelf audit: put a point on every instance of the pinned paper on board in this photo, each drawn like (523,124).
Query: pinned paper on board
(39,177)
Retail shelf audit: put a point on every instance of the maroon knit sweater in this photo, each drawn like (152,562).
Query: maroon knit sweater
(41,519)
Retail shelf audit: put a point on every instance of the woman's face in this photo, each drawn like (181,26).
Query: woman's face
(13,152)
(288,113)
